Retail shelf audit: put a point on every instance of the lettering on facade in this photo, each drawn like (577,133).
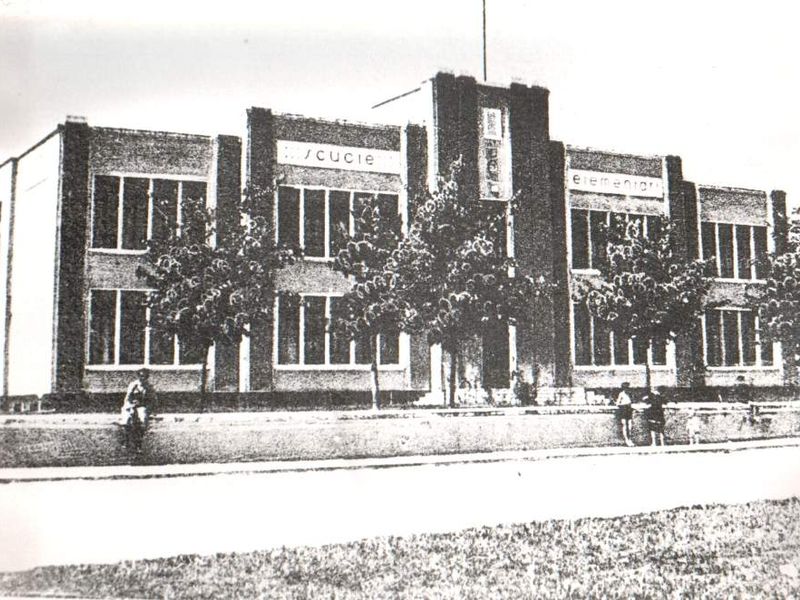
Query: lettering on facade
(615,183)
(329,156)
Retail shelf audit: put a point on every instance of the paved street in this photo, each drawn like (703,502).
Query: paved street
(106,520)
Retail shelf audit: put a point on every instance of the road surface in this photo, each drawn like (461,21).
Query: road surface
(107,520)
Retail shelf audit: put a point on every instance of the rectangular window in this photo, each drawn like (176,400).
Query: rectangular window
(760,252)
(621,352)
(732,339)
(742,250)
(288,216)
(639,351)
(162,348)
(601,343)
(133,322)
(314,222)
(389,349)
(726,256)
(106,207)
(339,342)
(597,224)
(288,331)
(193,226)
(659,352)
(583,334)
(339,220)
(102,327)
(314,330)
(127,211)
(580,239)
(765,349)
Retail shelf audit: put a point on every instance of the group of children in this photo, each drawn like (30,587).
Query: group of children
(654,415)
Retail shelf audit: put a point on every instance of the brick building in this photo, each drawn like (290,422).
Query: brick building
(78,207)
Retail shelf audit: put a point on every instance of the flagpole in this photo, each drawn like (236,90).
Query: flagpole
(484,40)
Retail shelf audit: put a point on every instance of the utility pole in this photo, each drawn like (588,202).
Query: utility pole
(484,41)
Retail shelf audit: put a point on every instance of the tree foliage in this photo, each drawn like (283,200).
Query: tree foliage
(646,288)
(374,305)
(456,278)
(209,288)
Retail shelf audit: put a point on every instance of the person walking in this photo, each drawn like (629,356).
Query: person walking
(134,413)
(625,412)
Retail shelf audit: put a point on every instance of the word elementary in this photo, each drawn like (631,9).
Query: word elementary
(615,183)
(328,156)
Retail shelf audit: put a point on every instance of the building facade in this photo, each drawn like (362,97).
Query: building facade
(77,209)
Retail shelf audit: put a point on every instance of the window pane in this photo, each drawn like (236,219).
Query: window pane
(361,201)
(190,352)
(743,260)
(162,348)
(730,337)
(498,235)
(288,331)
(339,343)
(314,330)
(580,239)
(602,343)
(134,213)
(760,247)
(621,354)
(193,203)
(659,352)
(288,216)
(708,232)
(363,355)
(101,327)
(713,343)
(132,327)
(748,338)
(339,224)
(388,206)
(583,338)
(106,205)
(725,250)
(597,223)
(390,348)
(766,351)
(639,351)
(314,222)
(165,208)
(653,227)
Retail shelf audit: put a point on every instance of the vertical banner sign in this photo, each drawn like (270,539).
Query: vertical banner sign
(491,154)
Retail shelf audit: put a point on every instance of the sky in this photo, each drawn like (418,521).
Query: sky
(714,82)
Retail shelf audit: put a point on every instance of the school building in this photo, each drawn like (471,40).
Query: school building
(78,207)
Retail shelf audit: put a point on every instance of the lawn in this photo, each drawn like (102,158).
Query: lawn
(741,551)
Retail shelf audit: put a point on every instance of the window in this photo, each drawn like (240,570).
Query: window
(594,344)
(304,336)
(127,211)
(732,339)
(735,251)
(318,220)
(588,237)
(119,333)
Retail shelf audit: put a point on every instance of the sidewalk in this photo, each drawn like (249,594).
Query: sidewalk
(43,474)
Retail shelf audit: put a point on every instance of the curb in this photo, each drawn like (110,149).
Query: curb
(52,474)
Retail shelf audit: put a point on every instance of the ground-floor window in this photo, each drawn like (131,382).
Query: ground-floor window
(732,339)
(305,337)
(594,344)
(119,333)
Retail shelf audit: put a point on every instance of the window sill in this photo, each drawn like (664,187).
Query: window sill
(107,368)
(358,368)
(737,280)
(634,368)
(734,368)
(118,251)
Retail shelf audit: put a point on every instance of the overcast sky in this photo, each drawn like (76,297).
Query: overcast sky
(716,83)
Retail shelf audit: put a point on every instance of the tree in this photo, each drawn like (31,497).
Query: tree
(454,273)
(646,289)
(778,303)
(373,306)
(208,288)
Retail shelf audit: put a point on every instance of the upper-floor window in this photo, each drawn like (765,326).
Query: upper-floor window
(316,219)
(594,344)
(588,241)
(119,333)
(735,251)
(128,211)
(732,339)
(305,337)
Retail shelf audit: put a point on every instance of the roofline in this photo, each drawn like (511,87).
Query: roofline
(373,125)
(57,130)
(727,188)
(569,147)
(157,132)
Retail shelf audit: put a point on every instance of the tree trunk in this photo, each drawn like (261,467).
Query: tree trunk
(453,373)
(204,379)
(376,393)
